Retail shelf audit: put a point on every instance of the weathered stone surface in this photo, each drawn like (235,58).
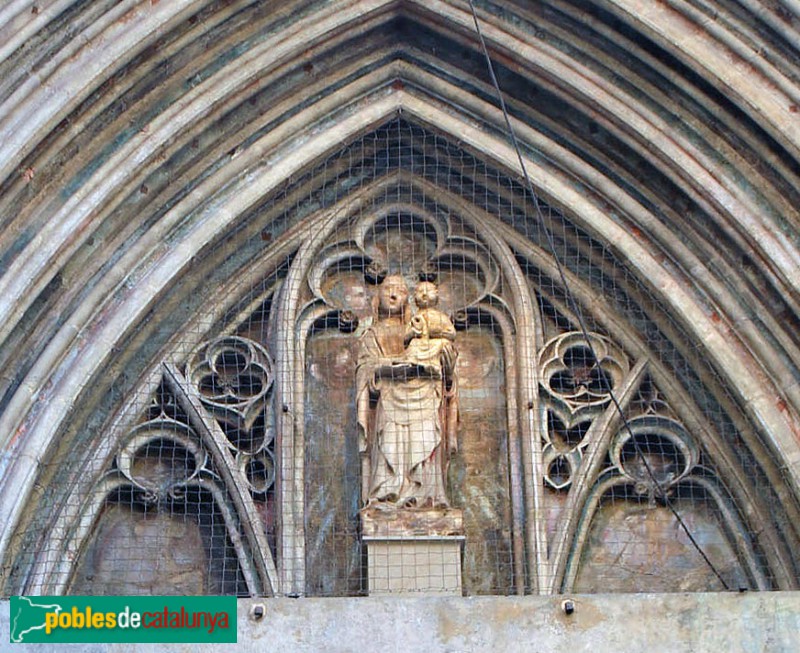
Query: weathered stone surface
(479,474)
(332,500)
(636,547)
(146,148)
(429,566)
(766,622)
(137,553)
(382,522)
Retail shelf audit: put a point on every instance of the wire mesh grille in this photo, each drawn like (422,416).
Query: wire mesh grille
(379,385)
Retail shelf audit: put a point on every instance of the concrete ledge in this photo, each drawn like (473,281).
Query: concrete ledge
(731,623)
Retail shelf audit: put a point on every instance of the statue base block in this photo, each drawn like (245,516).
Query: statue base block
(413,551)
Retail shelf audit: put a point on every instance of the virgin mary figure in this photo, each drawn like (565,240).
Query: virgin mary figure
(406,406)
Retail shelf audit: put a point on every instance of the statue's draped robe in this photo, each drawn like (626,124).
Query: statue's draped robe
(411,428)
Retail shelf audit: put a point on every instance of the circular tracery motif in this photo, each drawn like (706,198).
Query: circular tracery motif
(233,377)
(578,375)
(654,453)
(259,470)
(161,454)
(581,371)
(231,372)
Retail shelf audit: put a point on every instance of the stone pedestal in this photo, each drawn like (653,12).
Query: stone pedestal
(413,551)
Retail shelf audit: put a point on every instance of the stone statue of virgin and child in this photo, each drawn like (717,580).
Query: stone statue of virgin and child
(407,398)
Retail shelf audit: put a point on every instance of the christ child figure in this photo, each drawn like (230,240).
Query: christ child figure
(430,334)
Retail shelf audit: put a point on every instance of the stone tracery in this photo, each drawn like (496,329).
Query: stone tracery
(279,406)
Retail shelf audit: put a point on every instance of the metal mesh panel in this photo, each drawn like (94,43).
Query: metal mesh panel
(377,382)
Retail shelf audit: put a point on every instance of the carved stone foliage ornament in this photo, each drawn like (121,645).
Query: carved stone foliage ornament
(577,379)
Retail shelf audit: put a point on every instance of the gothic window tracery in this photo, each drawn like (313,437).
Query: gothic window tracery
(571,445)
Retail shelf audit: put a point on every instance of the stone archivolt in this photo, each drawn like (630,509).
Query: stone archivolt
(183,193)
(268,431)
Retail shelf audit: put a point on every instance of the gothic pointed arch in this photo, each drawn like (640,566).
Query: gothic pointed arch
(197,236)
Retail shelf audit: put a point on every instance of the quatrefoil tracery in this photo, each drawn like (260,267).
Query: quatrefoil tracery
(581,372)
(650,449)
(578,375)
(233,378)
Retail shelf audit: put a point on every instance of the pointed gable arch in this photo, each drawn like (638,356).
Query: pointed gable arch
(201,159)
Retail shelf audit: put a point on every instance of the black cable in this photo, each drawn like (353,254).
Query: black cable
(574,305)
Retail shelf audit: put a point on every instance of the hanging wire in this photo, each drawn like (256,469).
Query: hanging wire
(574,305)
